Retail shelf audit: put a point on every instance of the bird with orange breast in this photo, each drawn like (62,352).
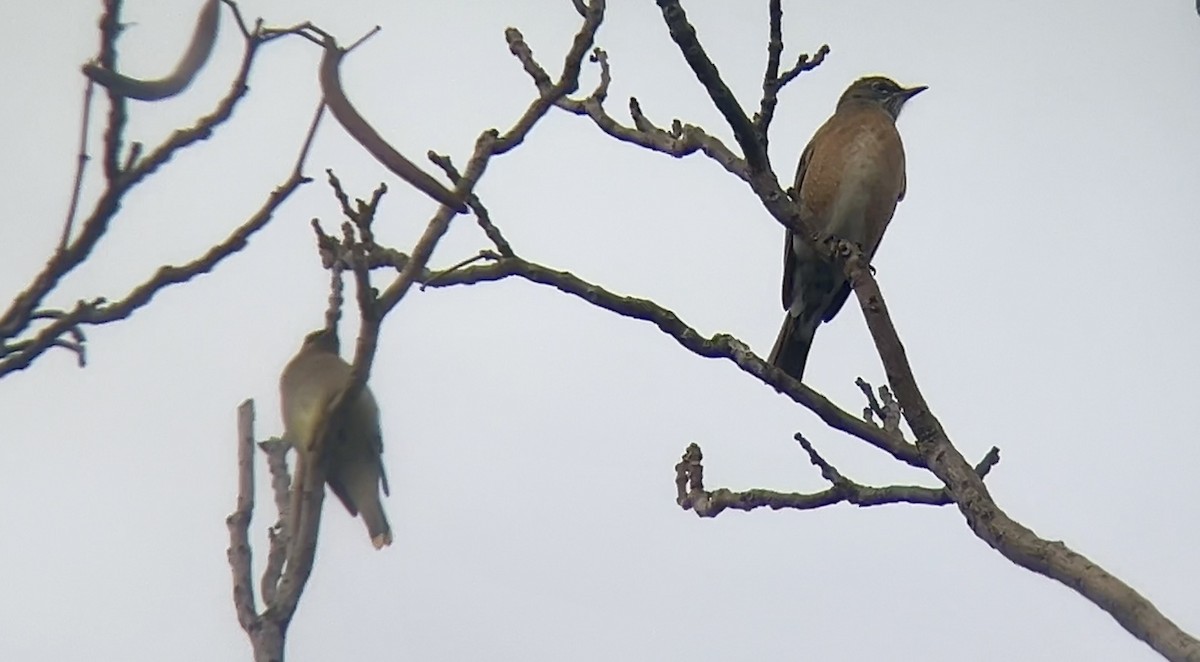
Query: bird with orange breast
(851,176)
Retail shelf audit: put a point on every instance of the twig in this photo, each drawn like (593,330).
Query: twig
(682,140)
(567,83)
(773,82)
(691,494)
(872,404)
(482,217)
(363,39)
(684,35)
(433,278)
(81,161)
(99,311)
(16,318)
(237,18)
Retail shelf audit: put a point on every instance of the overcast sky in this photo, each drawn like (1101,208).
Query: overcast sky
(1041,272)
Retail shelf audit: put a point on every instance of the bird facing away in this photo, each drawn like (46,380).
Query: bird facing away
(851,176)
(354,466)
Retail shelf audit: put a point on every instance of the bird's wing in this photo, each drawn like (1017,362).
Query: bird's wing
(789,256)
(377,445)
(343,494)
(890,155)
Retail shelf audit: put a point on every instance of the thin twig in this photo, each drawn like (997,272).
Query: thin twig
(482,217)
(684,35)
(691,494)
(80,166)
(363,39)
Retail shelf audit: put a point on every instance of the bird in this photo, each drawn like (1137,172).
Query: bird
(353,452)
(850,177)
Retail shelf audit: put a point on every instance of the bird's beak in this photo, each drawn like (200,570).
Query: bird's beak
(911,92)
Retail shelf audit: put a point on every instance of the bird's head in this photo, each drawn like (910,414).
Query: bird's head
(322,339)
(880,90)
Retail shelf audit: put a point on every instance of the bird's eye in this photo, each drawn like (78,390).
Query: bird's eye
(881,87)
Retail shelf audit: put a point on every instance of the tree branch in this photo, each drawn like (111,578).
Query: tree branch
(990,523)
(691,495)
(20,356)
(719,346)
(684,36)
(21,311)
(239,521)
(772,82)
(962,483)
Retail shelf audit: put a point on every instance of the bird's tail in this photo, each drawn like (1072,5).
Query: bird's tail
(791,347)
(377,524)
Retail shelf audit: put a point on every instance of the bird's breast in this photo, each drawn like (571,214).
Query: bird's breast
(855,175)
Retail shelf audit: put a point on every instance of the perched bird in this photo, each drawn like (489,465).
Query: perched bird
(851,176)
(354,466)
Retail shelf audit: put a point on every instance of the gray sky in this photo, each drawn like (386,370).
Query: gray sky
(1041,274)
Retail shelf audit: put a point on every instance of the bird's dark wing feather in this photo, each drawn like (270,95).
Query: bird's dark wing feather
(377,446)
(343,495)
(835,304)
(789,257)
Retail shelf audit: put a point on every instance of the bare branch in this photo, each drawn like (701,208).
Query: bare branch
(567,83)
(16,319)
(772,82)
(110,29)
(239,522)
(684,36)
(170,275)
(889,412)
(962,483)
(691,495)
(682,140)
(20,355)
(482,217)
(266,635)
(281,481)
(491,144)
(81,161)
(803,64)
(362,215)
(1017,543)
(363,39)
(719,346)
(237,18)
